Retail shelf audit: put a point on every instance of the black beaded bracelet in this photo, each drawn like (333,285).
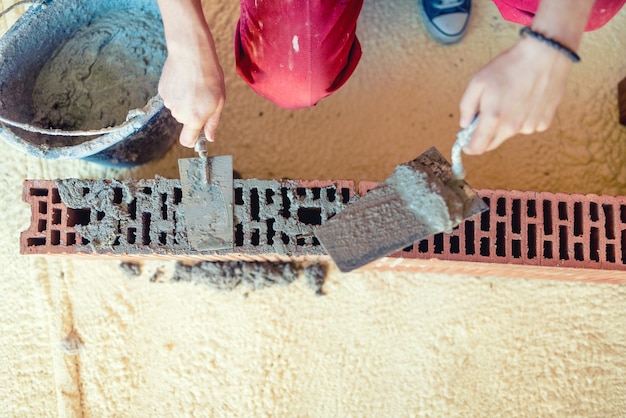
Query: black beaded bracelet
(527,31)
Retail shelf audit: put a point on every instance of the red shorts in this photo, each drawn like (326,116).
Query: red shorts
(296,52)
(523,11)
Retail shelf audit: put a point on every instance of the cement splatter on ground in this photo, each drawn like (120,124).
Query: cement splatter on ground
(227,275)
(100,73)
(131,269)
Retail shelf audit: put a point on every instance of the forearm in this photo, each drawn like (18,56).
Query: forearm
(563,20)
(186,29)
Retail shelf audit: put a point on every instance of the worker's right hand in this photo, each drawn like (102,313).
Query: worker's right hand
(192,87)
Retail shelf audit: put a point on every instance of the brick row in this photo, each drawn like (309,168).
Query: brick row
(277,219)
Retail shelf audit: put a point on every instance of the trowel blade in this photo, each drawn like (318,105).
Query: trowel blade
(208,204)
(421,198)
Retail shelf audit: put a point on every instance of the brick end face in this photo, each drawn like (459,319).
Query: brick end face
(621,101)
(277,219)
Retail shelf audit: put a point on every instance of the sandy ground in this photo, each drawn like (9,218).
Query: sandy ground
(83,338)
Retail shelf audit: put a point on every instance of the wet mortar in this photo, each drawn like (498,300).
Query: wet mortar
(228,275)
(100,73)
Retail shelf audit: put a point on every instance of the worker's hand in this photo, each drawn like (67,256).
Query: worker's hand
(517,92)
(192,87)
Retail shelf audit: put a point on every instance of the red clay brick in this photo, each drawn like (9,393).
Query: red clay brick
(521,228)
(621,101)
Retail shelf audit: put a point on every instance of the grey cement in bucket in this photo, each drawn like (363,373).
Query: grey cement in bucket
(71,66)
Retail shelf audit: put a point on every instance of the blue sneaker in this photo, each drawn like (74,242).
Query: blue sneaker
(446,20)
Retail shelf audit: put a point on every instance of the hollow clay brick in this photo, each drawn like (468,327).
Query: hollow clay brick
(621,101)
(275,220)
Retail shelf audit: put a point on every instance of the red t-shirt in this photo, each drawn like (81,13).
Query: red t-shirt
(523,11)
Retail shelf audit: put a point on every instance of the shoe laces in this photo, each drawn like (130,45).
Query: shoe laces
(447,4)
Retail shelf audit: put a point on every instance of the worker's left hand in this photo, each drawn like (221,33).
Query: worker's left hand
(517,92)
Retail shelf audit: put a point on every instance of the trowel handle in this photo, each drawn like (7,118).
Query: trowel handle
(462,139)
(201,146)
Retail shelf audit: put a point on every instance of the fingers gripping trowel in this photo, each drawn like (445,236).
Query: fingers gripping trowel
(207,188)
(421,198)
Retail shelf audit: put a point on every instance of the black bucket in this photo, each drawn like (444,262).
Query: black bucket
(141,132)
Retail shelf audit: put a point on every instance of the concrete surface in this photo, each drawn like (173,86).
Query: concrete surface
(81,338)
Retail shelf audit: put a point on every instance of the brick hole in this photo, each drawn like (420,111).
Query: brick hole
(132,209)
(116,242)
(55,197)
(470,247)
(131,235)
(547,250)
(316,191)
(547,217)
(145,228)
(286,203)
(43,208)
(163,238)
(270,231)
(310,216)
(36,241)
(147,190)
(594,244)
(99,215)
(55,219)
(455,244)
(38,192)
(532,241)
(331,194)
(117,195)
(300,242)
(609,221)
(422,247)
(301,192)
(315,242)
(484,221)
(501,206)
(579,252)
(345,195)
(438,243)
(531,208)
(254,204)
(516,248)
(516,216)
(269,196)
(562,207)
(178,195)
(78,216)
(70,238)
(563,243)
(55,237)
(84,241)
(501,239)
(284,238)
(622,213)
(408,249)
(484,246)
(239,196)
(578,219)
(610,253)
(239,235)
(164,206)
(41,225)
(255,237)
(86,191)
(623,247)
(594,214)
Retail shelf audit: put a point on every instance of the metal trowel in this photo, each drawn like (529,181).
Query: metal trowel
(421,198)
(207,189)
